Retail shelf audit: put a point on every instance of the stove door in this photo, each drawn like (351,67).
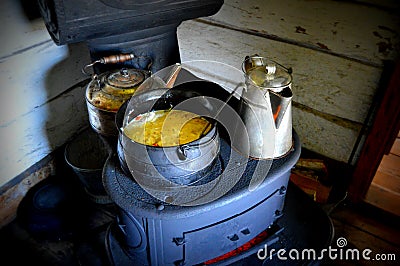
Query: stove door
(215,240)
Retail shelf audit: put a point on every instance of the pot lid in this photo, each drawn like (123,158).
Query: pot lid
(124,78)
(267,73)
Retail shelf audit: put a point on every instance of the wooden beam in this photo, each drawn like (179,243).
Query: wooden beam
(385,127)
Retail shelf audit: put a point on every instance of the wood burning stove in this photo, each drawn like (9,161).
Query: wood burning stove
(152,232)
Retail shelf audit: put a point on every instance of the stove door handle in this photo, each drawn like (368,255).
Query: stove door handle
(121,226)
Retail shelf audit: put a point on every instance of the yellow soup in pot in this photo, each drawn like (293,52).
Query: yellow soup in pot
(163,128)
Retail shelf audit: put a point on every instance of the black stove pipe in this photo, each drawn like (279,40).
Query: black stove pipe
(146,29)
(154,48)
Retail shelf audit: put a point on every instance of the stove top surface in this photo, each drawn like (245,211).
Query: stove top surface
(231,173)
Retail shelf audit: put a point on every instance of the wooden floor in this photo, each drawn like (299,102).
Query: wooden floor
(366,228)
(384,191)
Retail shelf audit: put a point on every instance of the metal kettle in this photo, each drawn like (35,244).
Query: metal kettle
(265,107)
(106,92)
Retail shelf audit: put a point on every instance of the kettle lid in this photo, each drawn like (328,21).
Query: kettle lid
(124,78)
(266,73)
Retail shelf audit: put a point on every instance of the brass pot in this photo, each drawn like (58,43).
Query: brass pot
(105,94)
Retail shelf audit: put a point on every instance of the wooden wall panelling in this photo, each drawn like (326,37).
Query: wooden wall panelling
(39,107)
(33,77)
(18,32)
(352,29)
(36,134)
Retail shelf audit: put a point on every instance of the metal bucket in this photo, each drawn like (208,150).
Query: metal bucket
(86,155)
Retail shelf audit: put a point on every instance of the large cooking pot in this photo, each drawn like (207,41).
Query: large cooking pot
(167,166)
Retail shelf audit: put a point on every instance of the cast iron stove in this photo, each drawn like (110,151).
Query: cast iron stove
(151,232)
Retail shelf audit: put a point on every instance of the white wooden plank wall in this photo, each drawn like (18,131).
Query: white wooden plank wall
(336,50)
(38,110)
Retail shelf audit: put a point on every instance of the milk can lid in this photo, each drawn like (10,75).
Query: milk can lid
(266,73)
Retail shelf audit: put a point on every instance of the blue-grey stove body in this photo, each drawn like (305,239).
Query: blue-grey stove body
(151,232)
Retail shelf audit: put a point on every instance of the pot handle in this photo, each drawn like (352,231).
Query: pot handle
(183,149)
(182,152)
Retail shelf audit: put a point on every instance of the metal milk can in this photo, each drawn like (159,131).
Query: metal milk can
(265,107)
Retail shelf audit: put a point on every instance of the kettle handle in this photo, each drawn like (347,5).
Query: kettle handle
(114,59)
(288,69)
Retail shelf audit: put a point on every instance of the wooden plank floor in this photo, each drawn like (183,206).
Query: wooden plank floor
(384,191)
(363,228)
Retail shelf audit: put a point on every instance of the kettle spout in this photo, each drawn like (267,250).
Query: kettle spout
(279,104)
